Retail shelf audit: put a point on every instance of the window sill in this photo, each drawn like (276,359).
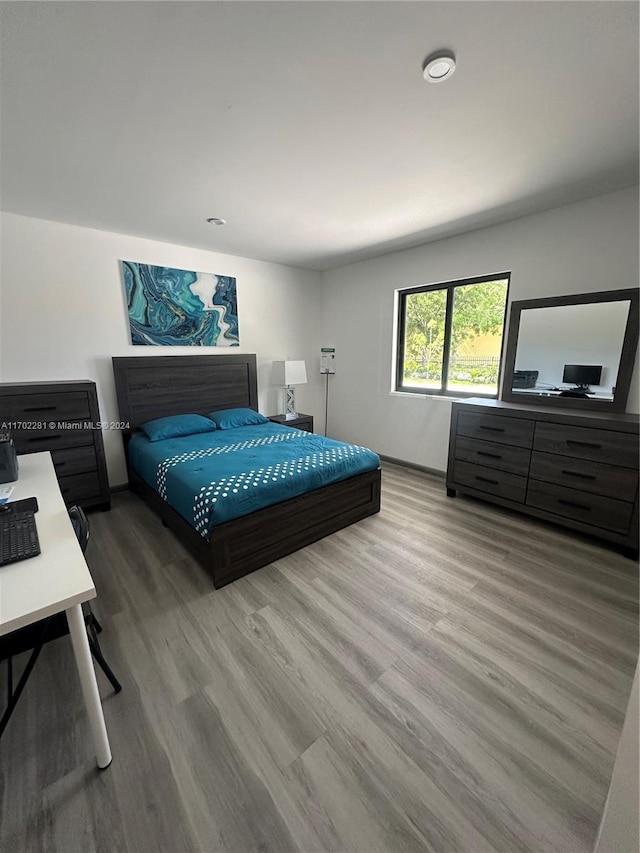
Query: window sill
(409,396)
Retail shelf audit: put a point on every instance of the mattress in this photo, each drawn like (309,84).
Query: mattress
(214,477)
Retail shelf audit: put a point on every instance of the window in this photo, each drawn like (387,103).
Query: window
(450,337)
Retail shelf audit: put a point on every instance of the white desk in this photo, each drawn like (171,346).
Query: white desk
(57,579)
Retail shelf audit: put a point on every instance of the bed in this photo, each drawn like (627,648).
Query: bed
(150,387)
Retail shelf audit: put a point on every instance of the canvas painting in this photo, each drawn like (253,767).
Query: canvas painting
(169,307)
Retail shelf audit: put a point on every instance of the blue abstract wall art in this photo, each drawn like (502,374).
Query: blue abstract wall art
(169,307)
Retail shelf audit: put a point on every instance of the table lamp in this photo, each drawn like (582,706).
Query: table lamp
(289,373)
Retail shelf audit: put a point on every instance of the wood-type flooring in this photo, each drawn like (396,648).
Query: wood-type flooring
(444,676)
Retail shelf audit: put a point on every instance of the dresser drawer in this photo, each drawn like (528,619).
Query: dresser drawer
(499,483)
(35,440)
(593,510)
(79,487)
(598,445)
(514,460)
(76,460)
(45,407)
(596,477)
(515,431)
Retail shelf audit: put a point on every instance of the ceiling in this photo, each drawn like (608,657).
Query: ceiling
(308,125)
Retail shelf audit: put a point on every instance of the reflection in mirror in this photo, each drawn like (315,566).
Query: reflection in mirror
(576,351)
(570,350)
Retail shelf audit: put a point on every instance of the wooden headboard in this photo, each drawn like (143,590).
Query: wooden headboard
(154,386)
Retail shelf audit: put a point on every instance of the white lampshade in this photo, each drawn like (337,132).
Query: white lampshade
(289,373)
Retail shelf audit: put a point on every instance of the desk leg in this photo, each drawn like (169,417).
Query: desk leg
(87,674)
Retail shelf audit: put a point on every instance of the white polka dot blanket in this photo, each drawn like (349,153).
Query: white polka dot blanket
(213,477)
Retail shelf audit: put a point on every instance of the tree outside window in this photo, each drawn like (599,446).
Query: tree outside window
(450,337)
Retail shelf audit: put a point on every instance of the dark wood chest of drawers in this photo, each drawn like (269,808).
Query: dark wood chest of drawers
(63,418)
(578,470)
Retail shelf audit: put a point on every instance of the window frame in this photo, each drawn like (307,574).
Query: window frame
(450,287)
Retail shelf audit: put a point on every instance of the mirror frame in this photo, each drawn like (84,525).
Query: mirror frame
(627,355)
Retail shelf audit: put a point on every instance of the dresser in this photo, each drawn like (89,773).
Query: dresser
(578,470)
(60,417)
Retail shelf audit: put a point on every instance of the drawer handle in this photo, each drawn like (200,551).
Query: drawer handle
(489,455)
(591,444)
(487,480)
(579,474)
(492,429)
(574,504)
(45,438)
(40,408)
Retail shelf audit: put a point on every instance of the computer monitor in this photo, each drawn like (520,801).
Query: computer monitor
(582,375)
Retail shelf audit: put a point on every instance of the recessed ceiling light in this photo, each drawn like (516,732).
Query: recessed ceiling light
(439,66)
(215,220)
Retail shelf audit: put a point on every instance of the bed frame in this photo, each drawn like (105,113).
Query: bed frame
(154,386)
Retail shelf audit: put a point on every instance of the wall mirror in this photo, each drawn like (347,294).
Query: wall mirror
(572,351)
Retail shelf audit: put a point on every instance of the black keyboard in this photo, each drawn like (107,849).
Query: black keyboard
(18,537)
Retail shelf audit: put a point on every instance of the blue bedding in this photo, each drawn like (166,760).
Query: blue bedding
(214,477)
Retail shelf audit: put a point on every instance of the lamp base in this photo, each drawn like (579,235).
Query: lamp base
(290,403)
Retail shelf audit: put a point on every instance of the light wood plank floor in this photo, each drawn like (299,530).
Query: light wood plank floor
(445,676)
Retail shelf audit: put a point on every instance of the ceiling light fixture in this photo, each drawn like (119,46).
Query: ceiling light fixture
(215,220)
(439,66)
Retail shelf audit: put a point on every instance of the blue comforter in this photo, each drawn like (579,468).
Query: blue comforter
(217,476)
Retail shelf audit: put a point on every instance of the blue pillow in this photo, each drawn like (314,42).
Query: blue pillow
(230,418)
(175,426)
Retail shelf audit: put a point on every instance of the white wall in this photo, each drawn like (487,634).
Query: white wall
(63,312)
(619,832)
(579,248)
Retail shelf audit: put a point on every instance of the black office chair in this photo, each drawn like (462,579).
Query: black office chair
(36,635)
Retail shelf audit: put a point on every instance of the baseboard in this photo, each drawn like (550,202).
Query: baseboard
(435,471)
(117,490)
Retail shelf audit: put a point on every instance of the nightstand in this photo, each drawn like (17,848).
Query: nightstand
(304,422)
